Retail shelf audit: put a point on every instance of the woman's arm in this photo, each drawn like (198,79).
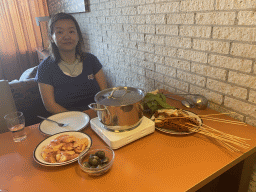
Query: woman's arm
(47,95)
(100,78)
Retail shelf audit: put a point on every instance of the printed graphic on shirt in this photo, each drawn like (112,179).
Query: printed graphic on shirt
(91,77)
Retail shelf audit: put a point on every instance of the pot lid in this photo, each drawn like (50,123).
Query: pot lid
(119,96)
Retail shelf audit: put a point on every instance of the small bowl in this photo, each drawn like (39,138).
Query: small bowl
(84,157)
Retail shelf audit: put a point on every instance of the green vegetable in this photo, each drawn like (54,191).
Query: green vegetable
(100,154)
(96,160)
(153,102)
(105,160)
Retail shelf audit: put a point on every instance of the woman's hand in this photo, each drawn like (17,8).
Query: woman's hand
(47,95)
(100,78)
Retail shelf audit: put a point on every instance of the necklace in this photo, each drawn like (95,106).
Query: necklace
(70,68)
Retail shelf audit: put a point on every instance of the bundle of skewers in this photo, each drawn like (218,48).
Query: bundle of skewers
(181,121)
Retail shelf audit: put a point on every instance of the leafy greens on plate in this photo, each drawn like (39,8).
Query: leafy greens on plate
(153,102)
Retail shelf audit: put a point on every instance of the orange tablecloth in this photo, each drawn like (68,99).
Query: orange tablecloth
(157,162)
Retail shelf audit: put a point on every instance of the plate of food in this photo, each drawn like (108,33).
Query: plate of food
(62,148)
(176,121)
(76,121)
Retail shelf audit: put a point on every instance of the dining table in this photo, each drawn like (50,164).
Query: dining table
(156,162)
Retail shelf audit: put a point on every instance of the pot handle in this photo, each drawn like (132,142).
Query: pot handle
(94,106)
(115,89)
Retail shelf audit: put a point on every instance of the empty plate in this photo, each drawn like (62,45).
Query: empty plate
(76,122)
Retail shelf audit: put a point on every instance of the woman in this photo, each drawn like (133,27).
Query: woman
(69,78)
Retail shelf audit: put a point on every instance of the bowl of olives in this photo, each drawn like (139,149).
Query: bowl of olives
(97,160)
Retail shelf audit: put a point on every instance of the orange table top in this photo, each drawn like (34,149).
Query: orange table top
(157,162)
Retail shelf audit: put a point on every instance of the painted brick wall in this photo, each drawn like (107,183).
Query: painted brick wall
(197,46)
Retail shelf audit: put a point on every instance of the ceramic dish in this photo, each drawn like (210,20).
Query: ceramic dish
(173,132)
(37,152)
(76,122)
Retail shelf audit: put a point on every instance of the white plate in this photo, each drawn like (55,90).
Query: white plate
(37,152)
(173,132)
(76,122)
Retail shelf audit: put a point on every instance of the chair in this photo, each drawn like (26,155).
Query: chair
(7,104)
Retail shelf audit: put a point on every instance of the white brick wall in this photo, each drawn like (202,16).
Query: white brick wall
(243,65)
(211,46)
(234,4)
(244,50)
(235,33)
(180,18)
(247,17)
(195,31)
(155,39)
(216,18)
(198,46)
(155,19)
(175,41)
(196,5)
(179,64)
(167,7)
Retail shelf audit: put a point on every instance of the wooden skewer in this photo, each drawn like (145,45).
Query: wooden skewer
(226,145)
(222,142)
(210,119)
(226,140)
(222,137)
(225,121)
(231,141)
(226,133)
(231,148)
(216,114)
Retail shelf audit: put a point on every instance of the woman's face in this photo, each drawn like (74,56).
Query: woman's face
(65,35)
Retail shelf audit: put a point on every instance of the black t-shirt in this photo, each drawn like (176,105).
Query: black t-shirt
(73,93)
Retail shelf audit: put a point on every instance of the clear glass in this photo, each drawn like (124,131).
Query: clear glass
(16,124)
(84,156)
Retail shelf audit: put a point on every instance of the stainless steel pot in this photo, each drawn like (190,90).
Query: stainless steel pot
(119,108)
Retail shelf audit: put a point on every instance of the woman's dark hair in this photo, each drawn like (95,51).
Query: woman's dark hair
(53,47)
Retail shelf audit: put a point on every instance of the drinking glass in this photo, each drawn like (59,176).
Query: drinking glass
(16,124)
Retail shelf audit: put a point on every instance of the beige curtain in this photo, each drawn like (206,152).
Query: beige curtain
(19,35)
